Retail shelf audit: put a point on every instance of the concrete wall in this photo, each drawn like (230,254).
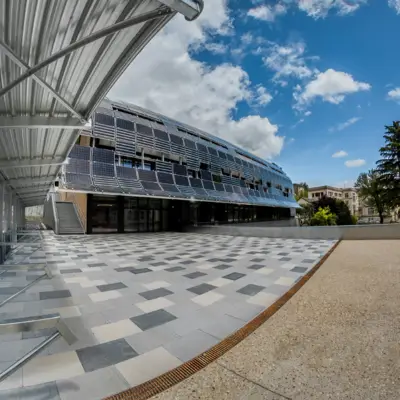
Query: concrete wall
(80,200)
(351,232)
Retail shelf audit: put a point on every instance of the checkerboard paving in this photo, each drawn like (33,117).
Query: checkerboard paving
(140,305)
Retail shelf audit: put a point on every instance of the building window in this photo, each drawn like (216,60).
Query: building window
(217,178)
(104,144)
(346,195)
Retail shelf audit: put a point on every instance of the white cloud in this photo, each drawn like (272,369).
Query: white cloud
(395,4)
(354,163)
(339,154)
(332,86)
(394,94)
(266,12)
(216,48)
(344,125)
(321,8)
(167,79)
(307,113)
(263,97)
(288,61)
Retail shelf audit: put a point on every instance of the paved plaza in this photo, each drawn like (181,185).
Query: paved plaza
(139,305)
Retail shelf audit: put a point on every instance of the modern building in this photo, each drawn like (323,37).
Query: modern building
(138,171)
(348,195)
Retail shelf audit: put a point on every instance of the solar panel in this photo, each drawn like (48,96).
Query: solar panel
(219,187)
(103,169)
(230,158)
(104,119)
(190,144)
(206,175)
(238,161)
(176,139)
(127,173)
(161,135)
(125,124)
(222,154)
(229,188)
(200,192)
(169,188)
(165,178)
(236,189)
(151,185)
(180,169)
(144,129)
(212,151)
(103,155)
(201,147)
(208,185)
(181,180)
(149,176)
(80,152)
(196,183)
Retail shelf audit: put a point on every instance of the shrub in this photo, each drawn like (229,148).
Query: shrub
(323,217)
(337,207)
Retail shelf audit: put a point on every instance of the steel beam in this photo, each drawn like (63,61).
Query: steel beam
(31,189)
(151,15)
(16,183)
(17,60)
(40,122)
(190,9)
(14,163)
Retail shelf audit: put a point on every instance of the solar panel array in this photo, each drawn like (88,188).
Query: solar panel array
(96,169)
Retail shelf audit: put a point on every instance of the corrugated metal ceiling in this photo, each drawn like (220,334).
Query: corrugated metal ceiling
(39,117)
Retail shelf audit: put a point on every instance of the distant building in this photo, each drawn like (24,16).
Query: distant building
(348,195)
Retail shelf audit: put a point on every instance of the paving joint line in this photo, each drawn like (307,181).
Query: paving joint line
(252,381)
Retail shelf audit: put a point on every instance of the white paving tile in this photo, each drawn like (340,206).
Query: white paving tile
(264,271)
(207,298)
(147,366)
(285,281)
(95,282)
(155,304)
(103,296)
(205,266)
(262,299)
(116,330)
(220,282)
(91,269)
(66,312)
(156,285)
(50,368)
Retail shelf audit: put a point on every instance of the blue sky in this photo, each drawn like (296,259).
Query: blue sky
(294,81)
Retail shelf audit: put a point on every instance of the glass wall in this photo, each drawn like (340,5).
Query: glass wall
(104,214)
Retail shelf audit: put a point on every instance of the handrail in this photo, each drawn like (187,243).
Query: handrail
(55,213)
(81,215)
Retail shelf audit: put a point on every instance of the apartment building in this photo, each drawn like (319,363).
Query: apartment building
(348,195)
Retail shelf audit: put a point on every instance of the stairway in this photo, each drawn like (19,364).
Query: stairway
(68,220)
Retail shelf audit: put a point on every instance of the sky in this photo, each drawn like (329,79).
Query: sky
(309,84)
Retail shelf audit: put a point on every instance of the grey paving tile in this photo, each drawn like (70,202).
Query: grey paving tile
(158,264)
(191,345)
(111,286)
(70,271)
(98,264)
(187,262)
(123,269)
(54,294)
(223,266)
(174,269)
(234,276)
(9,290)
(137,271)
(194,275)
(106,354)
(308,261)
(201,289)
(46,391)
(256,266)
(172,258)
(285,259)
(299,269)
(152,319)
(155,293)
(251,289)
(257,260)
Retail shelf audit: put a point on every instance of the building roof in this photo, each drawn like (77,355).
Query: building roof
(58,59)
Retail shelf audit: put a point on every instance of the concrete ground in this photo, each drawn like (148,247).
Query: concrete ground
(139,305)
(337,338)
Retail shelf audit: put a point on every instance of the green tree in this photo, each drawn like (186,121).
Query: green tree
(305,214)
(337,207)
(389,165)
(323,217)
(301,190)
(371,189)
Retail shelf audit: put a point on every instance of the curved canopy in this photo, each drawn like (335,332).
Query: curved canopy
(58,59)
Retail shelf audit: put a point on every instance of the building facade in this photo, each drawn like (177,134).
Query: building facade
(136,170)
(348,195)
